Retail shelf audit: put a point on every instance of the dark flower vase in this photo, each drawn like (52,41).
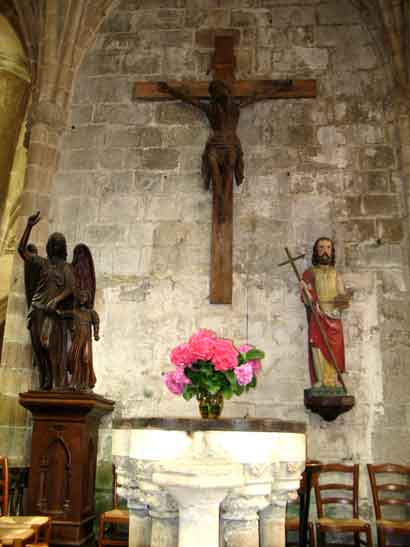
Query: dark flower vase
(210,406)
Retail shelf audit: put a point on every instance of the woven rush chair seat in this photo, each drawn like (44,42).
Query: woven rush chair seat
(17,537)
(395,525)
(345,525)
(391,499)
(340,494)
(117,515)
(41,524)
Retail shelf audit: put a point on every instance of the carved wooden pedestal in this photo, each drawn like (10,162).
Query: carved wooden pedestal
(63,461)
(328,407)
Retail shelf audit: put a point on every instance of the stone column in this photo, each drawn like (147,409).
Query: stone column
(198,515)
(163,511)
(240,509)
(199,486)
(140,522)
(14,93)
(139,527)
(16,372)
(153,512)
(272,519)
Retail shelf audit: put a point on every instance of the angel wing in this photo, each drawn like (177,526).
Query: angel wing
(84,272)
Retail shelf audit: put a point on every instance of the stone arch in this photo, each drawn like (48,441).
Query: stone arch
(388,22)
(15,90)
(372,20)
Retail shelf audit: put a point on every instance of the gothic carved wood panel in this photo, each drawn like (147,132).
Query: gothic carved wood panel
(55,478)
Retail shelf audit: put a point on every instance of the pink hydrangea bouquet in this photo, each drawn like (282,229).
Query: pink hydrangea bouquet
(208,364)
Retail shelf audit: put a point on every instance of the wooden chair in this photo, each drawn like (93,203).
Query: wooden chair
(111,521)
(4,486)
(301,527)
(292,526)
(391,499)
(343,497)
(18,482)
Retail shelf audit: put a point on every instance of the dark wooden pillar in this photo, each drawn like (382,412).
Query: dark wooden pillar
(63,461)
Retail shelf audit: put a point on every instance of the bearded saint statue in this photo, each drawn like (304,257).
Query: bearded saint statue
(324,287)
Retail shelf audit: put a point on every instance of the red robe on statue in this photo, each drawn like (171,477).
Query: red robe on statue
(331,326)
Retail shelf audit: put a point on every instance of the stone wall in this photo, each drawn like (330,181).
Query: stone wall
(129,185)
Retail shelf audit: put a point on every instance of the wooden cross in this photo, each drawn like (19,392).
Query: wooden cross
(244,92)
(291,260)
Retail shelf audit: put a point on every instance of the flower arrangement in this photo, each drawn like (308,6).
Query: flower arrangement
(211,365)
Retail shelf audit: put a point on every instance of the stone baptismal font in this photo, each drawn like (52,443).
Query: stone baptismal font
(206,483)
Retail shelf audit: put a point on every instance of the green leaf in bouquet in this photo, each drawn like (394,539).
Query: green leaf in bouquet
(230,376)
(206,366)
(188,392)
(192,374)
(238,390)
(253,382)
(213,387)
(227,392)
(254,355)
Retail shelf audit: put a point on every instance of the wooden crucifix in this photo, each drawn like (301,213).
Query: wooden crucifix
(222,161)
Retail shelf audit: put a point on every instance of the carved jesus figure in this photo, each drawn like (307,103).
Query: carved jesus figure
(222,160)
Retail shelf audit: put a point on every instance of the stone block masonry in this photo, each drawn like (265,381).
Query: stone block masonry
(328,166)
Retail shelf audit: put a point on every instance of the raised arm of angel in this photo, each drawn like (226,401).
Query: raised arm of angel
(25,250)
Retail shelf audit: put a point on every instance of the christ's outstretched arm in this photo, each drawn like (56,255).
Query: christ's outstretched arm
(279,85)
(166,88)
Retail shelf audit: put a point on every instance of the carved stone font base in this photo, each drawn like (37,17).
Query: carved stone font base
(191,472)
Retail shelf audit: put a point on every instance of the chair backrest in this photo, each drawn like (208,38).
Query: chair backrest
(312,467)
(390,487)
(114,487)
(337,485)
(4,486)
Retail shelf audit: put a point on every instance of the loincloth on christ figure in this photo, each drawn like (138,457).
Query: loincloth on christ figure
(227,150)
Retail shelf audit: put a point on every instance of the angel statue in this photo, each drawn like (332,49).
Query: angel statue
(51,284)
